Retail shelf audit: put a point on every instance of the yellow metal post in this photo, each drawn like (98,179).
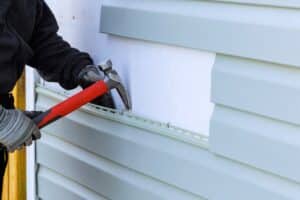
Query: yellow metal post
(15,176)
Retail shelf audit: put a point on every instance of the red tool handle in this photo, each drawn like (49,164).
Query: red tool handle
(71,104)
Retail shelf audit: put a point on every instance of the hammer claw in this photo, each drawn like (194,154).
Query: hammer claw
(113,80)
(124,96)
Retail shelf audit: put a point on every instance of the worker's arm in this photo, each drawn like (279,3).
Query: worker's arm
(53,57)
(57,61)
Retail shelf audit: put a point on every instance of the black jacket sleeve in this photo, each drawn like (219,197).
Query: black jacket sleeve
(53,57)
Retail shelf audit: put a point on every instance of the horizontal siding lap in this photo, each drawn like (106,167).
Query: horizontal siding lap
(263,143)
(101,175)
(263,88)
(256,118)
(116,159)
(55,186)
(230,179)
(126,146)
(97,178)
(136,149)
(275,3)
(49,190)
(228,32)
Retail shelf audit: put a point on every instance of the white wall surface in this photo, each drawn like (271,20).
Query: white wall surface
(166,83)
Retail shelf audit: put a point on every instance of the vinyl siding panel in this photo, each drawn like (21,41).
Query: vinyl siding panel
(117,159)
(112,156)
(266,89)
(230,29)
(99,175)
(272,3)
(256,120)
(261,142)
(52,185)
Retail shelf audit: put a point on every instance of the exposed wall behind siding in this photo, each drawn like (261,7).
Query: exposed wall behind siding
(166,83)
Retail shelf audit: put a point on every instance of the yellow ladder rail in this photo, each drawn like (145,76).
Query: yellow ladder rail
(15,176)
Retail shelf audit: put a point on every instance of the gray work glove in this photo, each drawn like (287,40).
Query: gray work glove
(16,129)
(89,75)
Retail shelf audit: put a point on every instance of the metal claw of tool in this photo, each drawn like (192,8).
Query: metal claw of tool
(113,81)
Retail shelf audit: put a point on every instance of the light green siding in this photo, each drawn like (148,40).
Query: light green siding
(268,34)
(52,185)
(272,3)
(121,160)
(117,160)
(266,89)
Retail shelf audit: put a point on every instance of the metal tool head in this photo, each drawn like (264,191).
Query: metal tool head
(113,80)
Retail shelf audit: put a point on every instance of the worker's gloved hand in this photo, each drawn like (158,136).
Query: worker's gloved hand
(16,129)
(89,75)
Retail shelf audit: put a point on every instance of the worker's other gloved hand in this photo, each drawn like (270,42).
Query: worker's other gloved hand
(89,75)
(16,129)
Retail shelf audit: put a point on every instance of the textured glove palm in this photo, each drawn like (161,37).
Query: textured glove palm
(16,129)
(89,75)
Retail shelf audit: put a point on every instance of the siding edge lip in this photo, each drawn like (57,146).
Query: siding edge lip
(236,140)
(240,35)
(67,184)
(130,119)
(99,163)
(267,3)
(267,80)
